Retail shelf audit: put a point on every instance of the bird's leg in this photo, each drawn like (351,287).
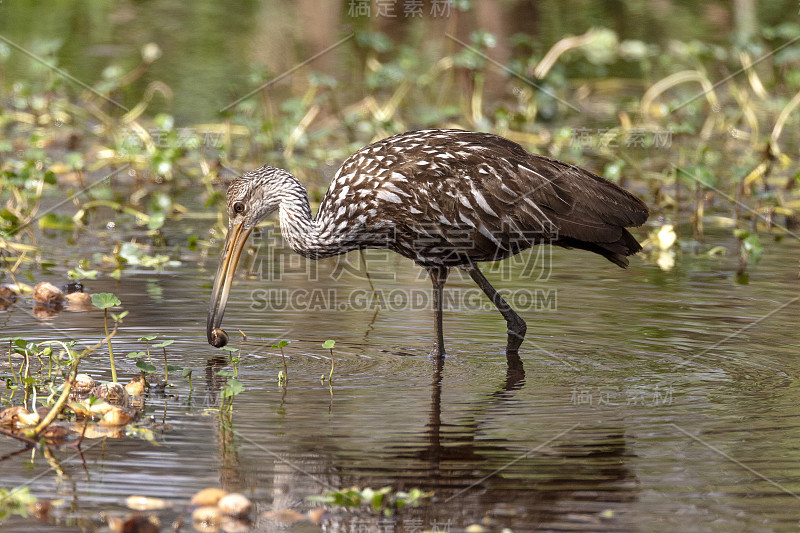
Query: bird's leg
(438,276)
(516,326)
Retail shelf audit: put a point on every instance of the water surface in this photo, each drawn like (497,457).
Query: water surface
(651,401)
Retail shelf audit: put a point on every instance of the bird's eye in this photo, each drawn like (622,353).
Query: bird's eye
(238,208)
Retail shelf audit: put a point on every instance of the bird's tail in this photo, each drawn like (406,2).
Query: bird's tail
(616,251)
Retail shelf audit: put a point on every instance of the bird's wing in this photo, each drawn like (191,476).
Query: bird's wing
(482,189)
(505,191)
(542,192)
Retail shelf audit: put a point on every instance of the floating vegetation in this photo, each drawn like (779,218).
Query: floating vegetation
(385,500)
(75,403)
(18,501)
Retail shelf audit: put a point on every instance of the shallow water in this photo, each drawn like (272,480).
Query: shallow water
(651,400)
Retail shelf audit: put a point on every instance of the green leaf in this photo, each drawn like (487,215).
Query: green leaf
(174,368)
(752,245)
(131,253)
(50,178)
(329,344)
(148,337)
(229,349)
(135,355)
(144,366)
(156,221)
(80,273)
(225,373)
(74,160)
(232,388)
(163,344)
(186,372)
(5,214)
(56,222)
(283,343)
(104,300)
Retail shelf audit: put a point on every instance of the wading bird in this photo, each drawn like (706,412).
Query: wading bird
(443,198)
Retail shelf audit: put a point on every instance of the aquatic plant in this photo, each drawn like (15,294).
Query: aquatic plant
(329,344)
(105,300)
(15,502)
(384,500)
(167,367)
(233,386)
(282,377)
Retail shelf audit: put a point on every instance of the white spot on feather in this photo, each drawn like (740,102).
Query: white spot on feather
(389,196)
(466,220)
(482,201)
(391,187)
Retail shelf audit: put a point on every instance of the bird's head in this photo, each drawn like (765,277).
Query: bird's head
(250,199)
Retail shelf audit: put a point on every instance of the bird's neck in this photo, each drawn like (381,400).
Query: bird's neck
(306,236)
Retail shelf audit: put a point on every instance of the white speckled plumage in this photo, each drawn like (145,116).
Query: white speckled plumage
(443,198)
(425,190)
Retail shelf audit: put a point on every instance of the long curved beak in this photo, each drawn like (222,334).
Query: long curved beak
(234,244)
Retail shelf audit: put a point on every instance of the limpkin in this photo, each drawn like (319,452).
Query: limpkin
(443,198)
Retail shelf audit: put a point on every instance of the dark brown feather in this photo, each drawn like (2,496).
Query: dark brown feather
(452,197)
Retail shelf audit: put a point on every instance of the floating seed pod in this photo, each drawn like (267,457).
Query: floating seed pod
(136,386)
(209,496)
(48,294)
(235,505)
(116,417)
(18,416)
(83,385)
(112,392)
